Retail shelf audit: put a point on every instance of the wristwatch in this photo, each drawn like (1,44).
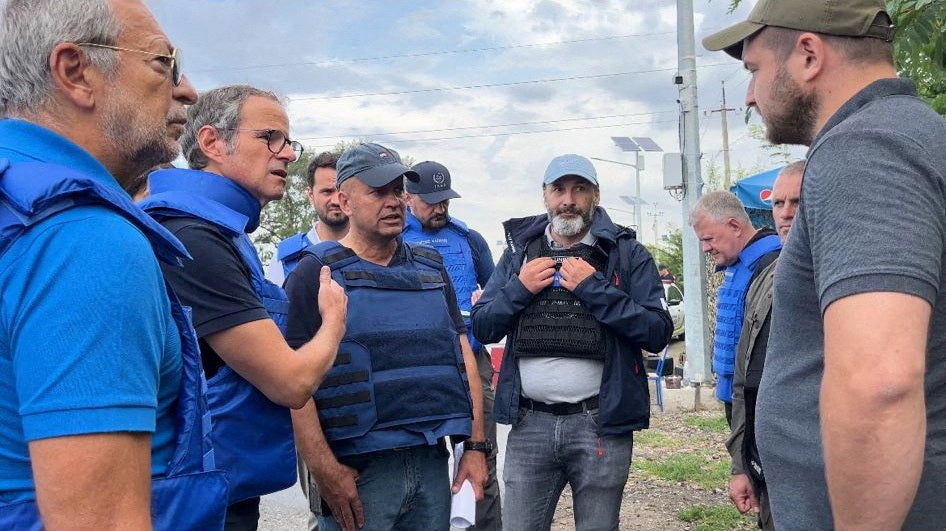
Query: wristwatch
(478,446)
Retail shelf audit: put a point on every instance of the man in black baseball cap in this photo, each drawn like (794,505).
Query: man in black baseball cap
(405,378)
(848,434)
(470,264)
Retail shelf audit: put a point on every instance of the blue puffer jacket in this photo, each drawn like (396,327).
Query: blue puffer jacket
(627,301)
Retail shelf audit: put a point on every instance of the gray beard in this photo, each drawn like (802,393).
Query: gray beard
(567,227)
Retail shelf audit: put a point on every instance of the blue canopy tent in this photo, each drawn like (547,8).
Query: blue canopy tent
(755,193)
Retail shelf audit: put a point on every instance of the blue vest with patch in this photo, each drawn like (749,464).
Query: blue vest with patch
(454,246)
(192,494)
(730,306)
(252,435)
(399,378)
(291,250)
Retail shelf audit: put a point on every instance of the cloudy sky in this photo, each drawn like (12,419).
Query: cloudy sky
(493,89)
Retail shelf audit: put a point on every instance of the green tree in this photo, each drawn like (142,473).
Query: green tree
(670,253)
(918,45)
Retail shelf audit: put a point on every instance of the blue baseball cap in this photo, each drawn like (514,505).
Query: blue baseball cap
(576,165)
(373,164)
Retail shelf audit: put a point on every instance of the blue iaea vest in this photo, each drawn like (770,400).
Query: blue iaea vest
(454,246)
(730,305)
(291,250)
(252,435)
(399,379)
(192,494)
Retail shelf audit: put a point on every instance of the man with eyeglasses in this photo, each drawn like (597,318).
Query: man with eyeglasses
(469,263)
(99,374)
(237,146)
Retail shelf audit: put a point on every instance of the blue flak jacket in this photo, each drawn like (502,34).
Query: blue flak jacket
(454,246)
(193,493)
(252,435)
(730,307)
(399,378)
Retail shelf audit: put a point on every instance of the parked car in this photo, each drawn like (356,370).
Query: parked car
(674,296)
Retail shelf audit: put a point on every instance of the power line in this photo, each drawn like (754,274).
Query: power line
(514,124)
(329,62)
(511,133)
(494,85)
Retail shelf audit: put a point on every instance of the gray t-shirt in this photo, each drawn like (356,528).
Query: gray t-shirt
(872,219)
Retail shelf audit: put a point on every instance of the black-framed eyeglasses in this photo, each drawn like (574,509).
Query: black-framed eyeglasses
(172,61)
(276,140)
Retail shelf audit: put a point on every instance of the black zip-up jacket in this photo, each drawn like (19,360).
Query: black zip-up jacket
(628,301)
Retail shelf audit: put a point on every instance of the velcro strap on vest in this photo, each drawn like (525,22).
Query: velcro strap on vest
(345,400)
(346,378)
(339,422)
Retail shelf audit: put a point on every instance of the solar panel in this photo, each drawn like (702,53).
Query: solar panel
(633,200)
(647,144)
(625,143)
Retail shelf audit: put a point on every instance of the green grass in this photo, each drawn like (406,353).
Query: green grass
(698,468)
(719,517)
(654,439)
(716,423)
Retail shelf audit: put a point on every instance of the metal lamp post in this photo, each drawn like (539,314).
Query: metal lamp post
(636,145)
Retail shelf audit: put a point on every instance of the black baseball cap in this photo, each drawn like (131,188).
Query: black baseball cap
(433,185)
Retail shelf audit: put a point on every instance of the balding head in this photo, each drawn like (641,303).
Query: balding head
(786,193)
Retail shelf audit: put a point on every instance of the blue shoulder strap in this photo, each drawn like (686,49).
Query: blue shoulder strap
(34,191)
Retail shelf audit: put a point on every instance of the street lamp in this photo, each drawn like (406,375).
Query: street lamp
(637,145)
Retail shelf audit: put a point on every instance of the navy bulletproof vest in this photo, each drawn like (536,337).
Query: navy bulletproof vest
(192,494)
(399,378)
(252,435)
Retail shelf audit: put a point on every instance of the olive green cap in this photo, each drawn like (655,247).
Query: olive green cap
(844,18)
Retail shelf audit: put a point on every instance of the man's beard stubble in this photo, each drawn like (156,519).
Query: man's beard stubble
(794,120)
(569,227)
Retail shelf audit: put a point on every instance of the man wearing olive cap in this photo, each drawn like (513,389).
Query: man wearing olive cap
(851,418)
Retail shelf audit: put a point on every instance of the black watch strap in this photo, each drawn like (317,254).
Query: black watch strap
(478,446)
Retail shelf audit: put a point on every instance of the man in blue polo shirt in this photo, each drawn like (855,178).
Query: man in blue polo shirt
(90,355)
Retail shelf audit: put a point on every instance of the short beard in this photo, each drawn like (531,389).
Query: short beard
(329,221)
(794,121)
(142,148)
(569,227)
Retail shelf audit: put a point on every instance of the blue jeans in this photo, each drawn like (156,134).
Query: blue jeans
(406,489)
(545,452)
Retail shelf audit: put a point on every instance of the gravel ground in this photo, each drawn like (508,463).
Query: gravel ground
(650,503)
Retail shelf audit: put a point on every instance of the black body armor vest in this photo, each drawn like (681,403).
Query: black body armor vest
(557,323)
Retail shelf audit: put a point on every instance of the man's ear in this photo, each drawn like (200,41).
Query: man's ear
(343,202)
(808,56)
(73,76)
(212,143)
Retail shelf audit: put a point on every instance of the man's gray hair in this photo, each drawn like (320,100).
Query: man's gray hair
(797,167)
(219,108)
(720,206)
(30,29)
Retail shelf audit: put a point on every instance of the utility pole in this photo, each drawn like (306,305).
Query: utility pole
(698,366)
(656,214)
(723,112)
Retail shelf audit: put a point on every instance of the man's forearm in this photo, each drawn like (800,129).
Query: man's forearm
(322,348)
(311,443)
(476,390)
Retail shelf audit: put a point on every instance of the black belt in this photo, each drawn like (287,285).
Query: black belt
(561,408)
